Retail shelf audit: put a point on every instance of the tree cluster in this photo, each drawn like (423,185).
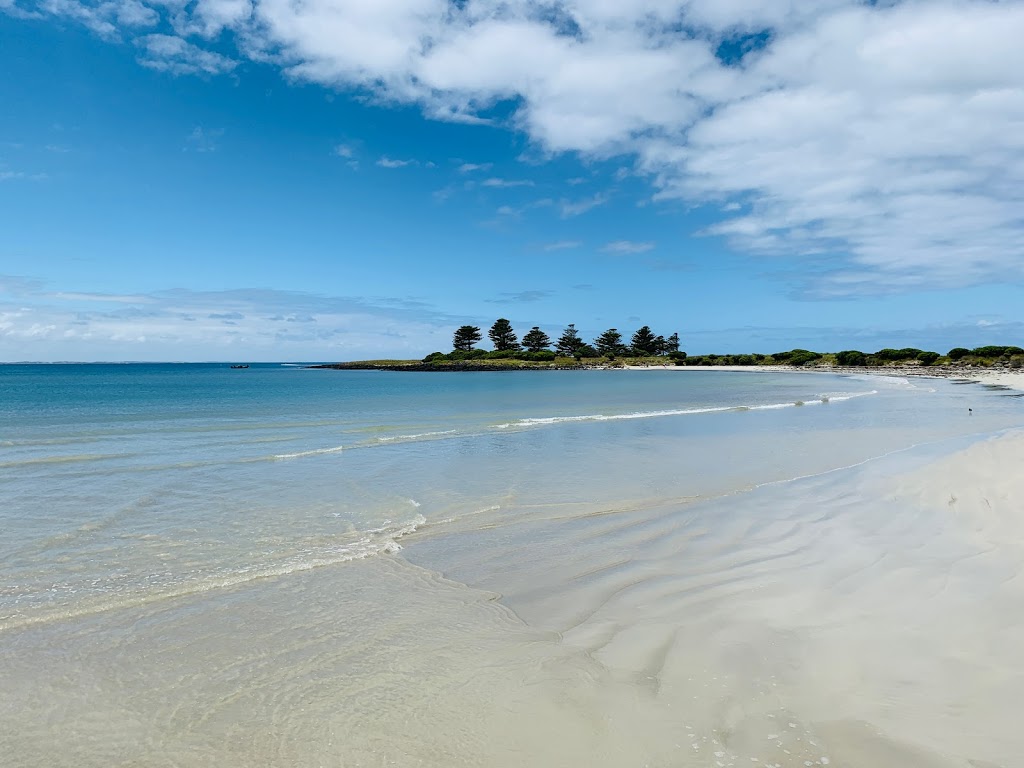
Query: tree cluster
(610,344)
(537,346)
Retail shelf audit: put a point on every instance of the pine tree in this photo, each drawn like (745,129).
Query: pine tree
(672,343)
(502,336)
(644,342)
(609,343)
(465,337)
(536,340)
(570,342)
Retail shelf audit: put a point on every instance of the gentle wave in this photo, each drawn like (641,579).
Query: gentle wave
(542,421)
(419,436)
(314,452)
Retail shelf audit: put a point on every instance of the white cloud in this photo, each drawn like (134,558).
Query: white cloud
(21,175)
(167,53)
(471,167)
(493,182)
(387,162)
(884,140)
(572,208)
(41,324)
(345,150)
(627,247)
(562,245)
(890,136)
(107,19)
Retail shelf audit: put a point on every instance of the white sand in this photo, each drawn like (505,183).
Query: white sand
(1007,378)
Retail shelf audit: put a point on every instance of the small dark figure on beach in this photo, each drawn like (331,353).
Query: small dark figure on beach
(970,411)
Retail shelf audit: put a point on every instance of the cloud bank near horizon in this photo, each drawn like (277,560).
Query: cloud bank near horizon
(38,323)
(881,143)
(41,323)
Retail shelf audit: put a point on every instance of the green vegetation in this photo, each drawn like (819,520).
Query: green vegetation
(503,337)
(851,357)
(569,343)
(459,355)
(645,343)
(536,340)
(609,344)
(648,348)
(466,337)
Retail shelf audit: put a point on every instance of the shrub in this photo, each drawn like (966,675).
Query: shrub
(435,356)
(988,351)
(541,356)
(852,357)
(887,354)
(927,358)
(958,353)
(802,357)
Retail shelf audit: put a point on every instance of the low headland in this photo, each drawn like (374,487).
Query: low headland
(647,350)
(1005,369)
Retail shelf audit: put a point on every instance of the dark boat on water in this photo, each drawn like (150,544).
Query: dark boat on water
(239,366)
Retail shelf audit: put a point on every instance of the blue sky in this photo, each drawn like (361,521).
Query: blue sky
(226,179)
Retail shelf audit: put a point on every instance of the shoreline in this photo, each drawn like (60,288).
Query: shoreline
(1010,379)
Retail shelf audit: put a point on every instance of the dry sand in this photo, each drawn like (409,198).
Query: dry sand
(1014,379)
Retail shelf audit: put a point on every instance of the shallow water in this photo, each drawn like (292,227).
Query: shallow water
(293,567)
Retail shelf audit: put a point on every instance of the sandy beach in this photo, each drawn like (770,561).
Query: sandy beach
(1011,378)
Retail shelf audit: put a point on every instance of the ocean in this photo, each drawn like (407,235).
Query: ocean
(283,566)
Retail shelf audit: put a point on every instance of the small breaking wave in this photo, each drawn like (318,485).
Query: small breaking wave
(547,420)
(313,452)
(418,436)
(608,417)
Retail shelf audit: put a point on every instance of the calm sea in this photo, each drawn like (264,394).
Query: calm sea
(286,566)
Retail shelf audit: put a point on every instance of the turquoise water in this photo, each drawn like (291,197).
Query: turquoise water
(187,496)
(122,483)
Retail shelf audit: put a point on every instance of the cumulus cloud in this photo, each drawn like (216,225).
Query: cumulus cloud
(881,141)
